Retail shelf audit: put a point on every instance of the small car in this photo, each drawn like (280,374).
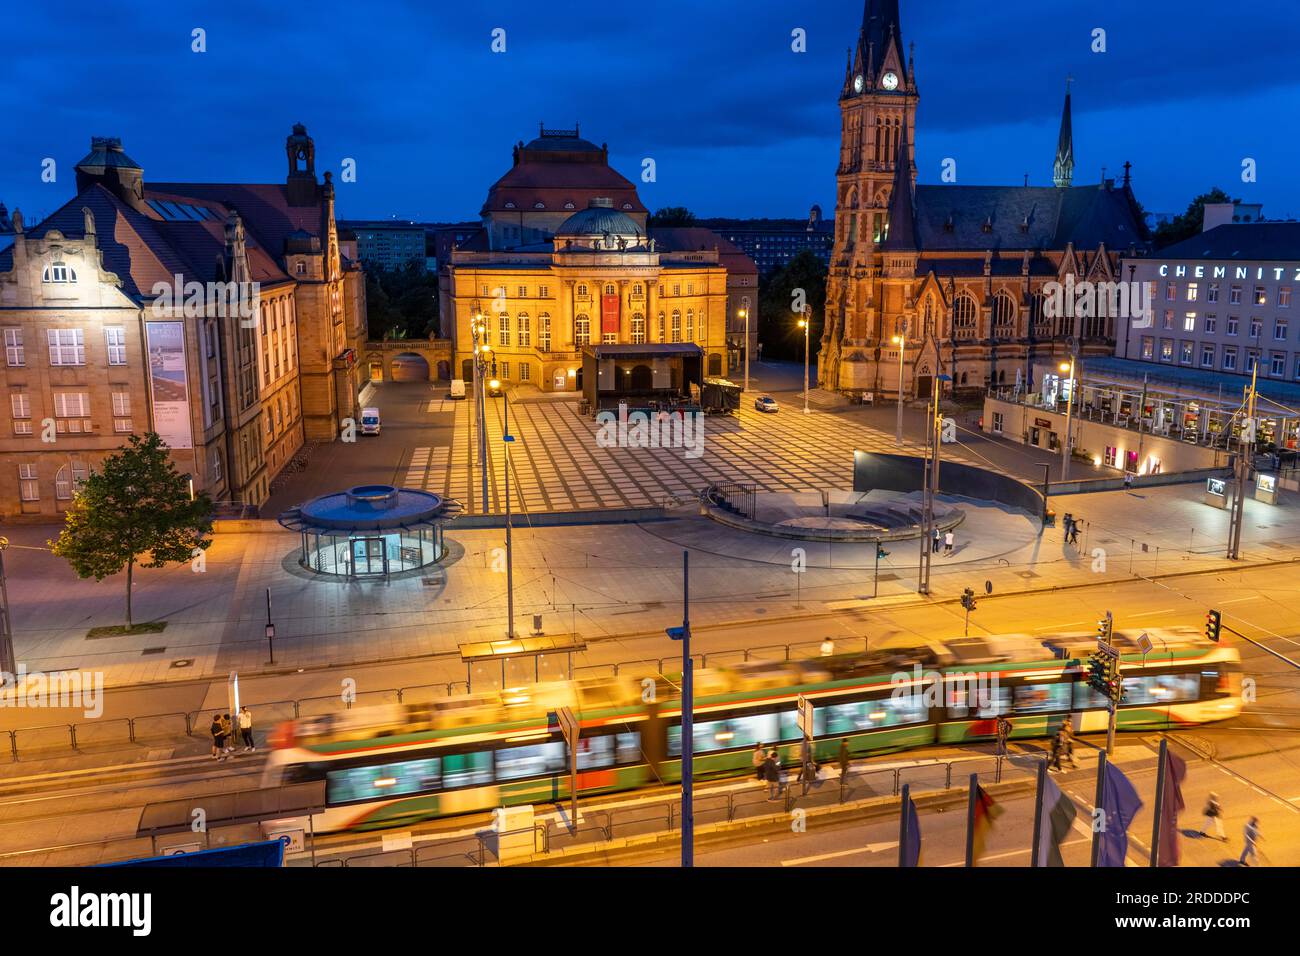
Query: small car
(766,403)
(371,423)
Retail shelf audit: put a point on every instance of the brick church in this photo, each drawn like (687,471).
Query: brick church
(957,271)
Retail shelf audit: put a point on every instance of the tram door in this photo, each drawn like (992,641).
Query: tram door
(369,556)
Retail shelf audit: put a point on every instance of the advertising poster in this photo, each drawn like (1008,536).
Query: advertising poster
(168,389)
(609,313)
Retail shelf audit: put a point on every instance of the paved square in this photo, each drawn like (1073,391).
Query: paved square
(557,465)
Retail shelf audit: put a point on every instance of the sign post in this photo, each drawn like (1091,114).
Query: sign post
(570,728)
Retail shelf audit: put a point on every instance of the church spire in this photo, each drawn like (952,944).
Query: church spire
(1063,168)
(901,236)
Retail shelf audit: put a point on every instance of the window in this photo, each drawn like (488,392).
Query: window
(997,423)
(1189,322)
(582,290)
(544,332)
(71,410)
(58,272)
(1004,317)
(67,347)
(677,326)
(503,329)
(382,780)
(609,338)
(1148,347)
(525,330)
(21,406)
(690,325)
(523,292)
(1166,350)
(1211,324)
(1192,291)
(1207,356)
(963,317)
(582,330)
(1185,353)
(1232,325)
(1043,698)
(543,292)
(525,372)
(1169,319)
(677,288)
(28,488)
(1277,365)
(15,356)
(638,328)
(1256,328)
(1234,295)
(505,370)
(66,482)
(1279,330)
(1230,358)
(1171,292)
(122,413)
(1261,295)
(533,760)
(115,337)
(1212,293)
(663,336)
(1284,297)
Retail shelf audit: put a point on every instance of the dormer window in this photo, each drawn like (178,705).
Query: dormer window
(58,272)
(988,225)
(539,205)
(569,205)
(949,225)
(510,205)
(301,268)
(627,205)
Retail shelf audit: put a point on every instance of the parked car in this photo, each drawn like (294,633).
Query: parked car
(457,388)
(766,403)
(370,421)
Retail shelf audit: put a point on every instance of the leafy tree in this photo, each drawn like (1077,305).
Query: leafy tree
(401,303)
(672,216)
(135,509)
(1189,223)
(778,327)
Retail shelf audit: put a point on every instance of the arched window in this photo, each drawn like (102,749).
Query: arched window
(1004,316)
(927,315)
(569,204)
(638,328)
(609,288)
(525,328)
(66,482)
(544,332)
(690,325)
(1038,320)
(581,330)
(58,272)
(677,326)
(582,290)
(503,330)
(963,317)
(636,290)
(663,333)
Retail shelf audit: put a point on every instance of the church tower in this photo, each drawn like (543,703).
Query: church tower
(877,125)
(1063,168)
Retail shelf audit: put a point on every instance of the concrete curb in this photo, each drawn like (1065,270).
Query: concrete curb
(849,537)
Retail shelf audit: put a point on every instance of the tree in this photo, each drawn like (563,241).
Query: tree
(1189,223)
(778,323)
(136,509)
(672,216)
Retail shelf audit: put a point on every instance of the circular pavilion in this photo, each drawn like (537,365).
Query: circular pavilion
(370,530)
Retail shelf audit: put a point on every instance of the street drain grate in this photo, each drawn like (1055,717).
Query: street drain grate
(153,650)
(184,662)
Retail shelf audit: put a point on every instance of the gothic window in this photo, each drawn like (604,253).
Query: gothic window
(1004,316)
(1038,319)
(928,315)
(963,317)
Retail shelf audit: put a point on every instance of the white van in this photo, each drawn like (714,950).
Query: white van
(457,388)
(370,421)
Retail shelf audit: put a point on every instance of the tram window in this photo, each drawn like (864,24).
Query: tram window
(790,723)
(531,761)
(629,748)
(873,714)
(710,735)
(1038,698)
(1085,698)
(595,752)
(466,770)
(382,780)
(1161,688)
(989,701)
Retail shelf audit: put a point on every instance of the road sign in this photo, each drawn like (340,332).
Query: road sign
(1104,648)
(1144,644)
(568,724)
(805,717)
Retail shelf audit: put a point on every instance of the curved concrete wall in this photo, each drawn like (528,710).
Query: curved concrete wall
(873,471)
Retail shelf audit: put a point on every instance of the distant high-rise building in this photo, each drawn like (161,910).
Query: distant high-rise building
(772,243)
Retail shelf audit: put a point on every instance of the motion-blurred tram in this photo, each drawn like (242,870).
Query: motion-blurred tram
(398,764)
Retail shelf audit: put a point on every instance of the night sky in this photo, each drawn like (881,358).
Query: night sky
(738,124)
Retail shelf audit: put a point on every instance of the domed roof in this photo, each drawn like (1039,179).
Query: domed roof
(598,219)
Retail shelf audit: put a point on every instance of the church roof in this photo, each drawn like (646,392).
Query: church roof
(902,218)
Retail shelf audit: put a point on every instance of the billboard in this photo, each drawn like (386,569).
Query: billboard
(168,388)
(609,313)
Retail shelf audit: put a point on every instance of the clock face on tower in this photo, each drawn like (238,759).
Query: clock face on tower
(889,81)
(857,83)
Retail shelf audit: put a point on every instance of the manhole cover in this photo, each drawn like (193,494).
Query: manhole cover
(153,650)
(1027,574)
(431,582)
(184,662)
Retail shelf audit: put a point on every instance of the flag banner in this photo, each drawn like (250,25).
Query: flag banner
(1175,771)
(1121,803)
(1058,817)
(609,313)
(913,827)
(986,811)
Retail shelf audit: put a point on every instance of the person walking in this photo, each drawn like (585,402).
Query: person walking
(1003,734)
(1067,744)
(1068,523)
(1054,761)
(808,766)
(218,741)
(1213,814)
(246,729)
(934,544)
(1252,837)
(948,539)
(758,760)
(1074,531)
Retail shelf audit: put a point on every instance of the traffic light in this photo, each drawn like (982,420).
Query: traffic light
(1098,673)
(1104,628)
(881,552)
(968,599)
(1213,621)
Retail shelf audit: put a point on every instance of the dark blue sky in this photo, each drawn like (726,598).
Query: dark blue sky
(737,123)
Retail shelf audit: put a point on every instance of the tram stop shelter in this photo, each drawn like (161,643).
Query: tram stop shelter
(370,530)
(650,377)
(483,658)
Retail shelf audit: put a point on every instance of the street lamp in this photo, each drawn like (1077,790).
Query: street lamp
(8,665)
(804,324)
(744,314)
(481,350)
(1069,414)
(900,341)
